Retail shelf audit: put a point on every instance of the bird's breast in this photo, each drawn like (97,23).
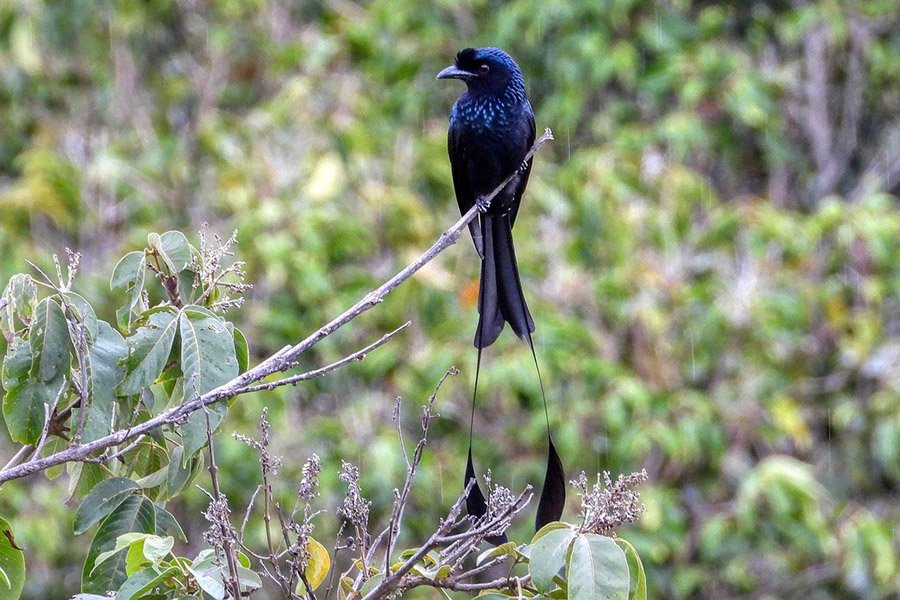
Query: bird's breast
(488,117)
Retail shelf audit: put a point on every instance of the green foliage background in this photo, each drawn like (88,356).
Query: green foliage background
(714,268)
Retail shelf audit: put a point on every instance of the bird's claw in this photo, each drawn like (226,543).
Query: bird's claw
(483,203)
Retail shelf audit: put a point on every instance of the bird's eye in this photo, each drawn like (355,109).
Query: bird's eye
(484,68)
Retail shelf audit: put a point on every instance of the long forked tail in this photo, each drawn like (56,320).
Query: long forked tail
(500,297)
(500,300)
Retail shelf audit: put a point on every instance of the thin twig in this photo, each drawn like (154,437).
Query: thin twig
(48,418)
(356,356)
(249,509)
(393,528)
(230,557)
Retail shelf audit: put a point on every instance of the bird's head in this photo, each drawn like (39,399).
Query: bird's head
(485,70)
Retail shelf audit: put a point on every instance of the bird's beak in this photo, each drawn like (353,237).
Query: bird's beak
(454,72)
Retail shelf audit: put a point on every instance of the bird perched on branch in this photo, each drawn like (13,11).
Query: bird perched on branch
(491,131)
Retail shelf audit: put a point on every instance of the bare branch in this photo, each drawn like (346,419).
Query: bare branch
(356,356)
(220,515)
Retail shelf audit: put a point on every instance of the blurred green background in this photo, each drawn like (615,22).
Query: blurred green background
(712,255)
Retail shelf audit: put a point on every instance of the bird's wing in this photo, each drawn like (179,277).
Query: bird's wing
(465,195)
(526,133)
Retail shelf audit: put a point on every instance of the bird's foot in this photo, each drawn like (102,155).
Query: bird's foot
(523,167)
(483,203)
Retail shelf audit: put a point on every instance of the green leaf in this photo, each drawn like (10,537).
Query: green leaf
(148,351)
(21,298)
(135,514)
(371,583)
(207,361)
(85,314)
(178,474)
(49,341)
(23,404)
(173,248)
(241,350)
(248,578)
(637,576)
(208,575)
(508,549)
(23,408)
(12,564)
(104,498)
(16,363)
(106,371)
(167,524)
(128,275)
(207,351)
(597,569)
(143,581)
(548,556)
(134,558)
(156,548)
(548,528)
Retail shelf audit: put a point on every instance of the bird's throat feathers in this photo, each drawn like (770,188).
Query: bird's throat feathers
(487,111)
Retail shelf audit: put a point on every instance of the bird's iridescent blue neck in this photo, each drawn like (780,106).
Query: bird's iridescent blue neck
(484,111)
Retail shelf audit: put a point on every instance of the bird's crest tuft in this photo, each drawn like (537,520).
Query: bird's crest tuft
(465,57)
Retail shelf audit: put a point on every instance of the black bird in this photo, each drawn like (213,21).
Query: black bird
(491,131)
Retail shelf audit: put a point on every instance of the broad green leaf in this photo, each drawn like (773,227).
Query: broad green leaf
(371,583)
(82,477)
(208,575)
(148,351)
(49,341)
(134,559)
(23,408)
(548,528)
(508,549)
(597,569)
(125,541)
(128,275)
(21,298)
(104,498)
(178,474)
(167,524)
(16,363)
(207,351)
(156,548)
(12,563)
(182,472)
(241,350)
(135,514)
(106,371)
(186,279)
(637,576)
(207,361)
(173,248)
(248,578)
(548,556)
(143,581)
(85,314)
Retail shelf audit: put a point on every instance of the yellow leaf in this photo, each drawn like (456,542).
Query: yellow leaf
(319,563)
